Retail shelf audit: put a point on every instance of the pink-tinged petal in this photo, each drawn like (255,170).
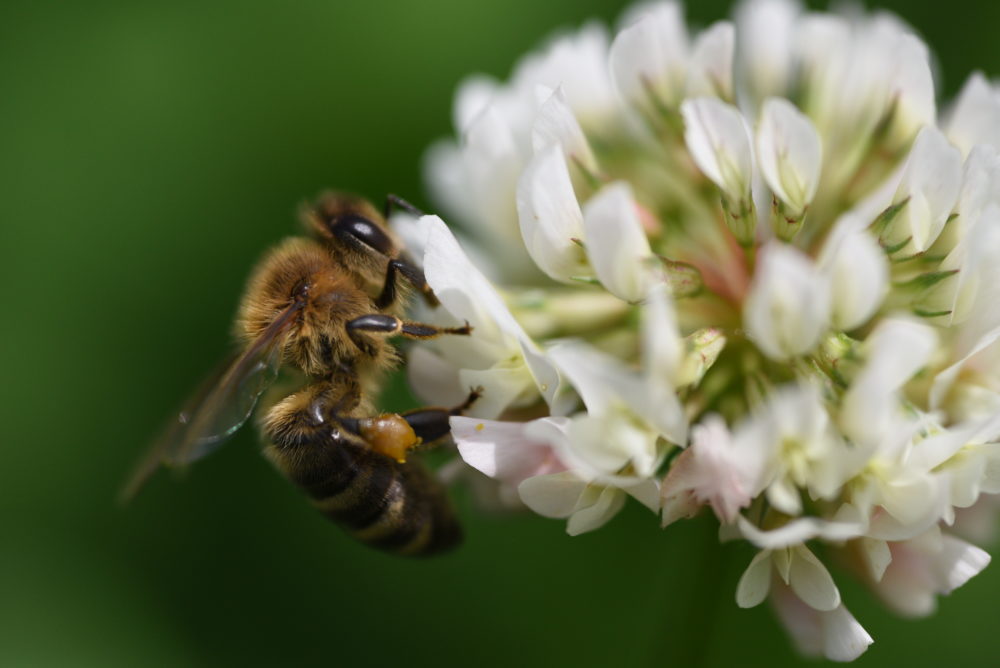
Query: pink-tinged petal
(711,471)
(679,506)
(503,450)
(755,583)
(811,582)
(835,635)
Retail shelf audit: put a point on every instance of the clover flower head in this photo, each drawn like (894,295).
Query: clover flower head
(749,270)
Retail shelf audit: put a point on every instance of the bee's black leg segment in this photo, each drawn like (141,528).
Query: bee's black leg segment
(413,276)
(392,200)
(419,330)
(388,296)
(380,324)
(473,397)
(431,424)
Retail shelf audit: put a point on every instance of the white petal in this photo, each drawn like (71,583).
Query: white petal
(858,272)
(596,515)
(460,286)
(717,137)
(556,124)
(550,216)
(930,183)
(788,307)
(789,153)
(433,378)
(844,639)
(650,56)
(646,492)
(662,346)
(895,351)
(473,96)
(711,70)
(975,118)
(555,495)
(596,376)
(601,447)
(503,386)
(877,556)
(468,295)
(578,62)
(616,242)
(811,582)
(958,562)
(765,35)
(755,582)
(800,530)
(912,88)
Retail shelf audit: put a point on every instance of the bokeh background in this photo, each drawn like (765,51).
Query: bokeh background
(149,153)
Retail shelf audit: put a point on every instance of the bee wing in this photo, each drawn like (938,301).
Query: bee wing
(220,406)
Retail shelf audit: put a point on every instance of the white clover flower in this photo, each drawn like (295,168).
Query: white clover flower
(759,276)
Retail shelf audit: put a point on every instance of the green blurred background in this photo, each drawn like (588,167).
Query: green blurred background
(149,153)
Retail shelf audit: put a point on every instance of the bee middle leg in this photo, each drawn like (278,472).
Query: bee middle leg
(382,325)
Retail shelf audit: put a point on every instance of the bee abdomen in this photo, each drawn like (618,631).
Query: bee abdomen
(397,507)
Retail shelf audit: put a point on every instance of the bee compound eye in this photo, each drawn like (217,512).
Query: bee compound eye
(363,230)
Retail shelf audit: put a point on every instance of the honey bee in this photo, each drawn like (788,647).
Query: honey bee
(322,308)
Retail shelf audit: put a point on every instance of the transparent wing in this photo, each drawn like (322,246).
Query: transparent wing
(220,406)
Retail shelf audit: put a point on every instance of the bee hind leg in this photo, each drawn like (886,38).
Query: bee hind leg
(395,434)
(432,424)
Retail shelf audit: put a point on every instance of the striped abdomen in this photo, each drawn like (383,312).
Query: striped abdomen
(396,507)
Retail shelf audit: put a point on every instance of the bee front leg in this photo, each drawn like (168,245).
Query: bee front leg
(393,200)
(413,275)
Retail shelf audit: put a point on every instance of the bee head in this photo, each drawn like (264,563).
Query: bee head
(354,231)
